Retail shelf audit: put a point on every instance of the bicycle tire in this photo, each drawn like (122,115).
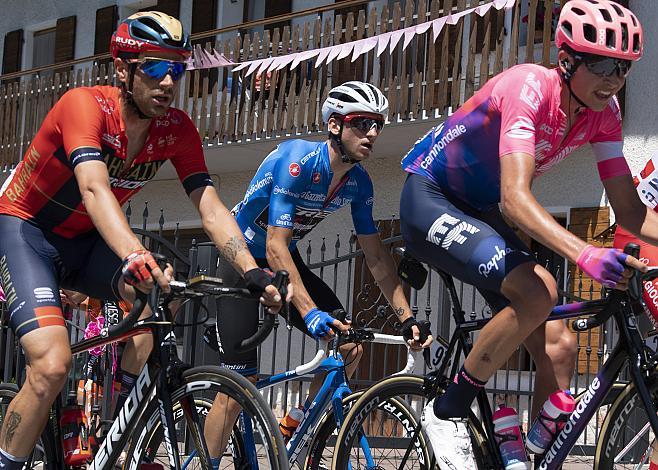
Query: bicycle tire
(394,388)
(623,424)
(203,383)
(45,454)
(320,451)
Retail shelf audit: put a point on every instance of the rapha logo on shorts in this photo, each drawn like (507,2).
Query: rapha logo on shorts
(447,230)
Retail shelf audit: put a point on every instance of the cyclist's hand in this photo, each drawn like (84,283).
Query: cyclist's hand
(632,264)
(604,265)
(410,329)
(259,281)
(318,323)
(71,297)
(140,270)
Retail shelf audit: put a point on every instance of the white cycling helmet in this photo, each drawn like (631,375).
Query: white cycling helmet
(354,97)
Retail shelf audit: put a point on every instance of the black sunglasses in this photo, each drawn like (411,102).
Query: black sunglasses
(606,66)
(364,122)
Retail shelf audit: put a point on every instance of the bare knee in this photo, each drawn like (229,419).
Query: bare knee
(351,352)
(532,291)
(564,349)
(47,375)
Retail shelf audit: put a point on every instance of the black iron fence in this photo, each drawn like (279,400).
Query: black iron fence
(340,263)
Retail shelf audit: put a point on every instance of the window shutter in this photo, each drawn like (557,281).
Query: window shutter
(170,7)
(106,23)
(64,41)
(13,51)
(276,8)
(204,18)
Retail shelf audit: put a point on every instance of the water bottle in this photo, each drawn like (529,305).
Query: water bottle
(509,439)
(550,421)
(289,423)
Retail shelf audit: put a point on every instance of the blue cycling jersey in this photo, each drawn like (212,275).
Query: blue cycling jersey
(290,190)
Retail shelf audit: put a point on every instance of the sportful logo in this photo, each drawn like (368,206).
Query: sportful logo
(569,425)
(44,294)
(451,233)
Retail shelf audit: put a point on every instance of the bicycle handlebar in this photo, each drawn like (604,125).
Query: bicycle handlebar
(634,293)
(203,286)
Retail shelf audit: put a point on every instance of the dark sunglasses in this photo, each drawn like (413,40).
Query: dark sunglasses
(364,122)
(607,66)
(157,69)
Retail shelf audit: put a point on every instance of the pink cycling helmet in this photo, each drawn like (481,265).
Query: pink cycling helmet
(600,27)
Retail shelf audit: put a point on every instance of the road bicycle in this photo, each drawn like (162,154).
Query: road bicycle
(311,445)
(630,423)
(165,391)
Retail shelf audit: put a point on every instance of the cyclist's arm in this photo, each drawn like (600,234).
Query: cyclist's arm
(222,229)
(521,207)
(383,269)
(630,211)
(278,257)
(104,209)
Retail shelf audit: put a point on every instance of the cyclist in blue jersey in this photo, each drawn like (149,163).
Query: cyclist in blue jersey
(298,185)
(480,164)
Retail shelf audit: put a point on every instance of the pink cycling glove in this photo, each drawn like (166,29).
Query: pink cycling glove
(604,265)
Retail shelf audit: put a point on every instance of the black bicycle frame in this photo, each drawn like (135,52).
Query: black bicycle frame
(153,381)
(630,348)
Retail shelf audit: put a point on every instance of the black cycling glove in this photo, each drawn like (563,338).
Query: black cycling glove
(257,280)
(406,330)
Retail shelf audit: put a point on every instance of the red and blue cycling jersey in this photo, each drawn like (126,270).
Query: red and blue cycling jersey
(290,190)
(516,111)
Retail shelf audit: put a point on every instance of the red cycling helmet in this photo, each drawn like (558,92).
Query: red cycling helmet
(149,31)
(600,27)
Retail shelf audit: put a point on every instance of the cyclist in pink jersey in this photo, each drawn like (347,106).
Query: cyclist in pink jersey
(484,159)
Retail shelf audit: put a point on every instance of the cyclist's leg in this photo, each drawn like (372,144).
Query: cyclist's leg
(100,278)
(456,239)
(326,300)
(237,319)
(30,278)
(552,346)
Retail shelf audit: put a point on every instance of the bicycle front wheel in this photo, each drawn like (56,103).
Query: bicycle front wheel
(200,386)
(626,437)
(382,428)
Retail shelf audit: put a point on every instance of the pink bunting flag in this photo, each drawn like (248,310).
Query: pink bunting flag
(382,42)
(409,34)
(242,65)
(368,45)
(333,52)
(324,52)
(483,9)
(282,61)
(437,26)
(220,59)
(395,38)
(264,64)
(345,50)
(253,66)
(423,27)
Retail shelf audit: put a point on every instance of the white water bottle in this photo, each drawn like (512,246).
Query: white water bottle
(509,439)
(548,424)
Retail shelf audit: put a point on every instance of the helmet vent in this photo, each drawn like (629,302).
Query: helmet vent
(634,20)
(342,97)
(589,32)
(578,11)
(624,37)
(636,43)
(617,9)
(606,15)
(567,29)
(610,38)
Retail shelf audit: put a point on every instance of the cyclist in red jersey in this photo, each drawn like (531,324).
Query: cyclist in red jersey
(483,160)
(61,222)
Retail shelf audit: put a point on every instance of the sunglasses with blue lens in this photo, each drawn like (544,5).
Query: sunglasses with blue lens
(157,69)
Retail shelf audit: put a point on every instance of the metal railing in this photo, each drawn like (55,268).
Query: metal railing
(424,81)
(340,264)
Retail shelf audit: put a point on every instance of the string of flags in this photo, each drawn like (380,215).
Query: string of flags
(203,59)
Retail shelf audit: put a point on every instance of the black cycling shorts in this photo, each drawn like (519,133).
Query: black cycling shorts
(237,319)
(477,247)
(34,264)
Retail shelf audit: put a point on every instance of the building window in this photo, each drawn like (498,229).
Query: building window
(43,47)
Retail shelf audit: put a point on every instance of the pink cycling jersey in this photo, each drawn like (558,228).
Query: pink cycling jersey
(516,111)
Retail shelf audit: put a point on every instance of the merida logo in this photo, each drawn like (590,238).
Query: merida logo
(446,137)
